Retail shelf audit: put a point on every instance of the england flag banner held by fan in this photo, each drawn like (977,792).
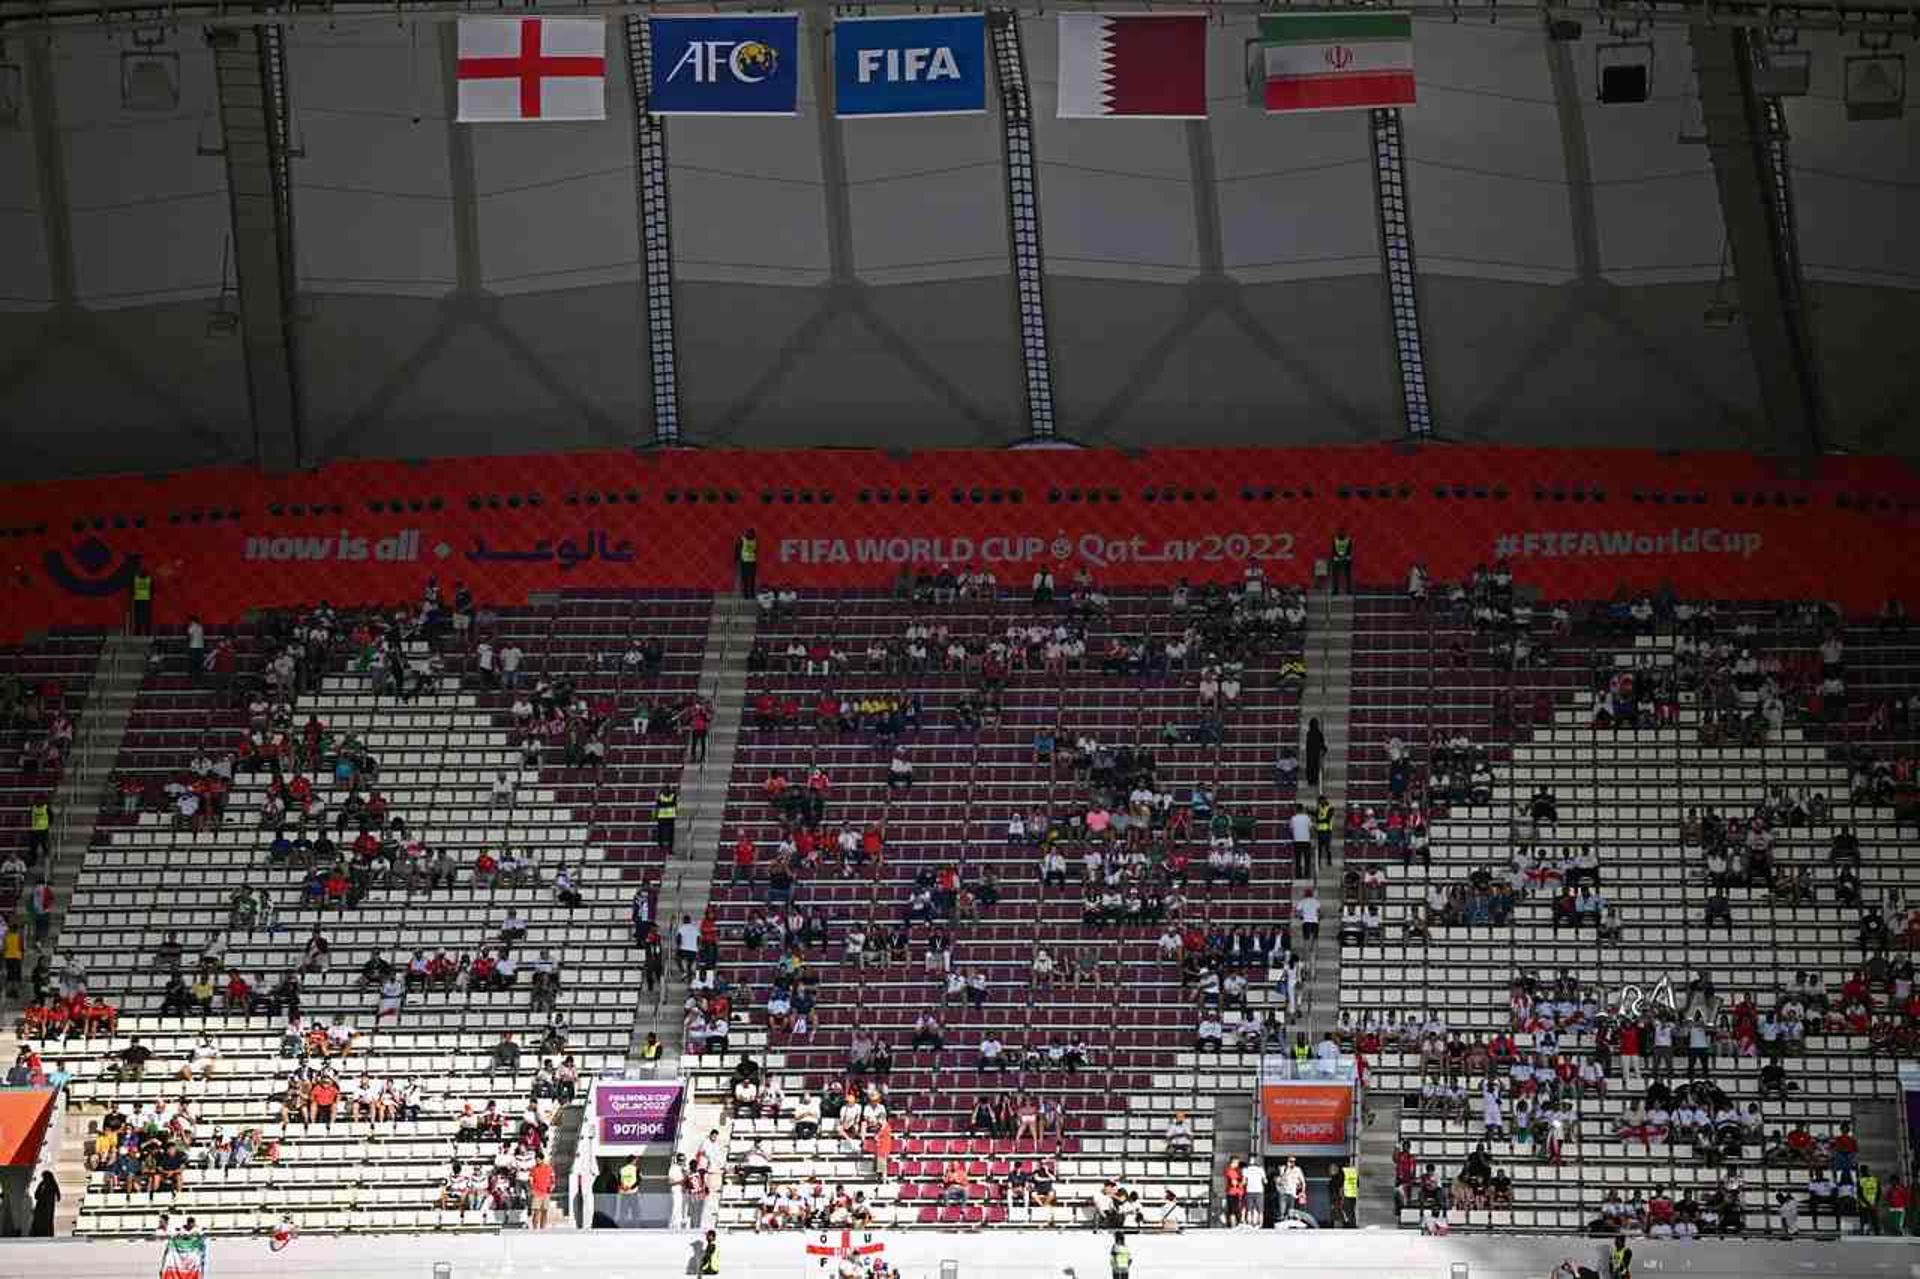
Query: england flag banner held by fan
(1332,61)
(532,69)
(1142,66)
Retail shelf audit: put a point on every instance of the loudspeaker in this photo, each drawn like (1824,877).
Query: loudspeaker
(1876,86)
(1786,74)
(1624,82)
(150,80)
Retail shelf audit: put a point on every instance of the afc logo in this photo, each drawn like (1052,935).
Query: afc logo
(745,61)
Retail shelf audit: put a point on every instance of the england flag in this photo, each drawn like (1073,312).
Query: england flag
(532,69)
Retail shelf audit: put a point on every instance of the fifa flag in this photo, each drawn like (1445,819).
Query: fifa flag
(725,64)
(532,69)
(1322,61)
(1143,66)
(910,64)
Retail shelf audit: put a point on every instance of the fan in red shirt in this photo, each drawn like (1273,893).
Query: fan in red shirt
(1405,1167)
(101,1015)
(1660,1209)
(239,993)
(743,855)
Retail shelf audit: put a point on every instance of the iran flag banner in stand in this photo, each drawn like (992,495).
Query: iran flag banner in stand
(1141,66)
(1326,61)
(184,1257)
(532,69)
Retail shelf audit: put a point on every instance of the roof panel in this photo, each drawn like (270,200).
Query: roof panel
(136,180)
(372,203)
(927,197)
(1301,224)
(1656,205)
(24,280)
(557,205)
(1116,196)
(1295,192)
(1486,169)
(748,199)
(1516,363)
(1856,184)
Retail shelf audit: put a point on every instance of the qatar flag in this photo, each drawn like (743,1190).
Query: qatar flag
(1143,66)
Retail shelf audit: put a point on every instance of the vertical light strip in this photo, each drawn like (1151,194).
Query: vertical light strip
(1023,217)
(656,236)
(1396,256)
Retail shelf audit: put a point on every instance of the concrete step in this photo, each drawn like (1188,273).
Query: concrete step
(731,626)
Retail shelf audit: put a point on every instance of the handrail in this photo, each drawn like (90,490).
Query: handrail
(80,767)
(49,1159)
(81,771)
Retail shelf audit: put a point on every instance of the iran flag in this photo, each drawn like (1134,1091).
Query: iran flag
(532,69)
(1147,66)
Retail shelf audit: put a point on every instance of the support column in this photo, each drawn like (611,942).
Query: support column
(1023,217)
(250,75)
(50,159)
(1749,168)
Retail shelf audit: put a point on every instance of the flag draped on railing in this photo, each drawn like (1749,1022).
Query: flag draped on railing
(185,1257)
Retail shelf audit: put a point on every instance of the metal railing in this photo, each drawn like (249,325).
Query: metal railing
(83,766)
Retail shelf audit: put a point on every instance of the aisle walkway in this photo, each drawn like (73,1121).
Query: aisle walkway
(686,883)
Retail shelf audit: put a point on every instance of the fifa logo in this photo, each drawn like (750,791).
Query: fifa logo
(744,61)
(907,65)
(1339,57)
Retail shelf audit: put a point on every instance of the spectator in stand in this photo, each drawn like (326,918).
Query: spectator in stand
(1307,910)
(1300,827)
(746,556)
(1179,1134)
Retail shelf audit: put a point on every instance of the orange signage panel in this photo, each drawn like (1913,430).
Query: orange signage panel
(1306,1118)
(23,1123)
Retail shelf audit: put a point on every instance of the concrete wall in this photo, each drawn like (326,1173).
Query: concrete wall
(998,1255)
